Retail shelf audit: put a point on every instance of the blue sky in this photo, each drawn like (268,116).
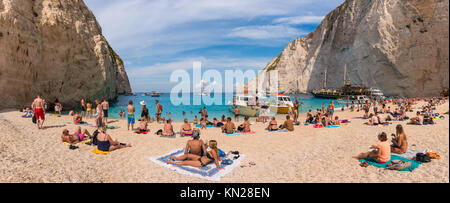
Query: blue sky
(156,37)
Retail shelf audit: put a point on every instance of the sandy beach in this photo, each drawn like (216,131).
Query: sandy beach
(306,155)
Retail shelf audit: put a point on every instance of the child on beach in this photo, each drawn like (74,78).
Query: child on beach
(381,153)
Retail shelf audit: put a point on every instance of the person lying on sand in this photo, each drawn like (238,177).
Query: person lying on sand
(288,124)
(399,141)
(229,127)
(273,125)
(381,153)
(107,144)
(336,121)
(195,146)
(168,128)
(196,160)
(68,138)
(186,129)
(244,127)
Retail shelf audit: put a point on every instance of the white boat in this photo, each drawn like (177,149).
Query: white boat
(376,93)
(280,103)
(246,105)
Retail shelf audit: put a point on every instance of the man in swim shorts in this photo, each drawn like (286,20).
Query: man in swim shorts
(39,111)
(130,115)
(158,111)
(105,107)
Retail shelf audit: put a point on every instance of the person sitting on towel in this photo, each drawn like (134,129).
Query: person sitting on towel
(186,129)
(143,124)
(199,161)
(399,141)
(416,120)
(381,153)
(336,121)
(288,124)
(106,143)
(229,127)
(244,127)
(168,128)
(216,123)
(195,146)
(273,126)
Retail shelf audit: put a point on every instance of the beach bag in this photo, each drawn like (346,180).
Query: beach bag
(94,137)
(424,158)
(159,132)
(161,107)
(398,165)
(34,119)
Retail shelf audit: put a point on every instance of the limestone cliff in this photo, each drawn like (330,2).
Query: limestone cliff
(400,46)
(55,48)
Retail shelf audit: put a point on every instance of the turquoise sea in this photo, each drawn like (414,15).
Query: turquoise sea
(214,111)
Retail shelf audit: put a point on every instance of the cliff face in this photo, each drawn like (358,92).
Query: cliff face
(400,46)
(55,48)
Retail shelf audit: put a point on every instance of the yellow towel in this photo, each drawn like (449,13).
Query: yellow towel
(82,142)
(96,151)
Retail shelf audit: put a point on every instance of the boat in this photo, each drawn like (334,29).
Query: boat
(246,104)
(280,103)
(145,94)
(155,94)
(376,93)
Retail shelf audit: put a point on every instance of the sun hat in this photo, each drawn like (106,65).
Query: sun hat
(142,102)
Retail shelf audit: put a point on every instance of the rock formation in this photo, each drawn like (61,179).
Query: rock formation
(55,48)
(400,46)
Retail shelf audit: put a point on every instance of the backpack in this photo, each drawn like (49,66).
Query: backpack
(94,137)
(398,165)
(34,119)
(160,107)
(424,158)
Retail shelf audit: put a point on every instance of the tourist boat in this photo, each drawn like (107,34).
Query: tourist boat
(246,105)
(155,94)
(376,93)
(347,92)
(280,103)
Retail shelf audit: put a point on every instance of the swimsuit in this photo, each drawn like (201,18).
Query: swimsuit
(208,156)
(105,113)
(103,145)
(130,118)
(39,114)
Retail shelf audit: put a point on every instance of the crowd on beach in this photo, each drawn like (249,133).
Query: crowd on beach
(199,153)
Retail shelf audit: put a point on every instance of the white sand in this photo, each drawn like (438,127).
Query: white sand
(307,155)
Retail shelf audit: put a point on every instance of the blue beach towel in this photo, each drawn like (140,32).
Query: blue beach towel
(414,163)
(233,134)
(208,126)
(333,126)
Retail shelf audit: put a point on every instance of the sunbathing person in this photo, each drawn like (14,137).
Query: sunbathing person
(143,125)
(186,129)
(107,144)
(77,118)
(244,127)
(373,120)
(196,160)
(309,117)
(216,123)
(416,120)
(68,138)
(273,126)
(195,146)
(399,141)
(168,128)
(381,153)
(288,124)
(195,120)
(336,121)
(229,127)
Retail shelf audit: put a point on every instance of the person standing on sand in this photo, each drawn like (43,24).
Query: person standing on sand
(158,111)
(39,111)
(130,109)
(88,110)
(58,108)
(83,107)
(205,112)
(144,112)
(99,118)
(105,107)
(236,114)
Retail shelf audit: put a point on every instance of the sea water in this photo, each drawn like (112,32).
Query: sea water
(214,111)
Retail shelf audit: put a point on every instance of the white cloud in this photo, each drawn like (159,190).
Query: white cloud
(297,20)
(266,32)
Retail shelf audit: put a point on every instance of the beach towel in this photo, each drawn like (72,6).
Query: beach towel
(96,151)
(139,132)
(318,126)
(411,154)
(246,133)
(208,172)
(414,163)
(333,126)
(277,131)
(82,142)
(173,136)
(232,134)
(112,127)
(208,126)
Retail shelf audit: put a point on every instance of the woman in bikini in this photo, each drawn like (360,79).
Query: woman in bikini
(399,141)
(212,154)
(168,128)
(107,144)
(272,125)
